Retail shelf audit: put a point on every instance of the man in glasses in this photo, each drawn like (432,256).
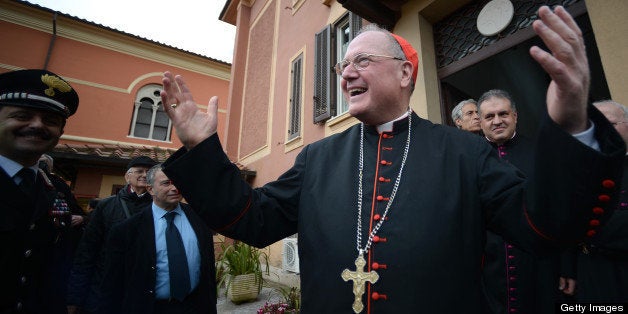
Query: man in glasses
(87,271)
(392,213)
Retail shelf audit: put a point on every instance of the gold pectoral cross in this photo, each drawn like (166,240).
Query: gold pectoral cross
(359,278)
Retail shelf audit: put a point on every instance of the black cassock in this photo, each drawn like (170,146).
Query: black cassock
(452,190)
(603,261)
(516,281)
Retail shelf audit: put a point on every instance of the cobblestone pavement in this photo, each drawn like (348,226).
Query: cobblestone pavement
(268,294)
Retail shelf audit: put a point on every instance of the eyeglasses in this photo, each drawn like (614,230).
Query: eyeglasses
(620,122)
(138,171)
(360,62)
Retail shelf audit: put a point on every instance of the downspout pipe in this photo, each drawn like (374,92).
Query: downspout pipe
(52,40)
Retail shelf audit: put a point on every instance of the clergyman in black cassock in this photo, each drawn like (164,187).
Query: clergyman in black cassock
(452,190)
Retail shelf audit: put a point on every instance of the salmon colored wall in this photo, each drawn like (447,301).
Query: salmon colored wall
(106,68)
(258,83)
(88,181)
(231,140)
(294,32)
(105,80)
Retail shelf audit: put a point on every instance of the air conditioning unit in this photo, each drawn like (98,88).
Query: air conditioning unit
(290,255)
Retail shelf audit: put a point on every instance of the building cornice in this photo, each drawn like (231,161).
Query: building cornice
(41,19)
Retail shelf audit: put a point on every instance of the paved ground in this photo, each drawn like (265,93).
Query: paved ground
(225,306)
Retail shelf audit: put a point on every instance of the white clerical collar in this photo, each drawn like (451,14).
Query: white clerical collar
(388,126)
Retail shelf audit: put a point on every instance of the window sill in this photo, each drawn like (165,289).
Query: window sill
(148,139)
(293,144)
(339,123)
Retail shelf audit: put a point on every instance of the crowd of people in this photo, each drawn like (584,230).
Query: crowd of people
(396,214)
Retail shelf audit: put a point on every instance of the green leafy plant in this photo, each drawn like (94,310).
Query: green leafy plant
(240,259)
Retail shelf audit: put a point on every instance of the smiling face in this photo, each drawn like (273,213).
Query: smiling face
(380,92)
(27,133)
(136,178)
(498,120)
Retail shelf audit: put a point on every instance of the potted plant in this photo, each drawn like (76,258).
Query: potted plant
(240,270)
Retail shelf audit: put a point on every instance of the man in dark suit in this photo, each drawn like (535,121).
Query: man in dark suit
(87,270)
(34,106)
(141,271)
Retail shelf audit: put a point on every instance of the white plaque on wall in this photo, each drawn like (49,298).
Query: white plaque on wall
(495,17)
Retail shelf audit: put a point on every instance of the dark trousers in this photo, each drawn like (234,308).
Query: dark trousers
(187,306)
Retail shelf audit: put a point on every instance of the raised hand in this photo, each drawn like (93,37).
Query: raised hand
(191,124)
(567,65)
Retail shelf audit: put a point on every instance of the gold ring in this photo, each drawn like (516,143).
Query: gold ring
(173,106)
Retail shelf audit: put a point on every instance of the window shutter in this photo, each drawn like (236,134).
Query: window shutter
(356,24)
(322,71)
(295,101)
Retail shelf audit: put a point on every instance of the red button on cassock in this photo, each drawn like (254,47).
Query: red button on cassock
(598,210)
(377,266)
(604,198)
(594,223)
(378,239)
(376,296)
(376,217)
(383,162)
(608,183)
(380,198)
(591,233)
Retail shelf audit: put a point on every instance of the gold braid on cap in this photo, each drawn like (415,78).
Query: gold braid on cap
(55,82)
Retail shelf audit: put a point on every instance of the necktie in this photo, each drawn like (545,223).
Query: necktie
(177,260)
(27,180)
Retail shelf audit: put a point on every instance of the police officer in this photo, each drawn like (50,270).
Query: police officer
(34,106)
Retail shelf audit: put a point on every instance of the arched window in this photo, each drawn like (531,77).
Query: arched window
(150,121)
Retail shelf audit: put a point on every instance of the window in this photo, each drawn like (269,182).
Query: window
(330,46)
(150,121)
(296,99)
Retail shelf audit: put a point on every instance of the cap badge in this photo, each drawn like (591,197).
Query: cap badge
(55,82)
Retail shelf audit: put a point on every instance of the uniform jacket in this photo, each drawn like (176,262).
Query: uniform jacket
(30,230)
(429,252)
(130,268)
(88,266)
